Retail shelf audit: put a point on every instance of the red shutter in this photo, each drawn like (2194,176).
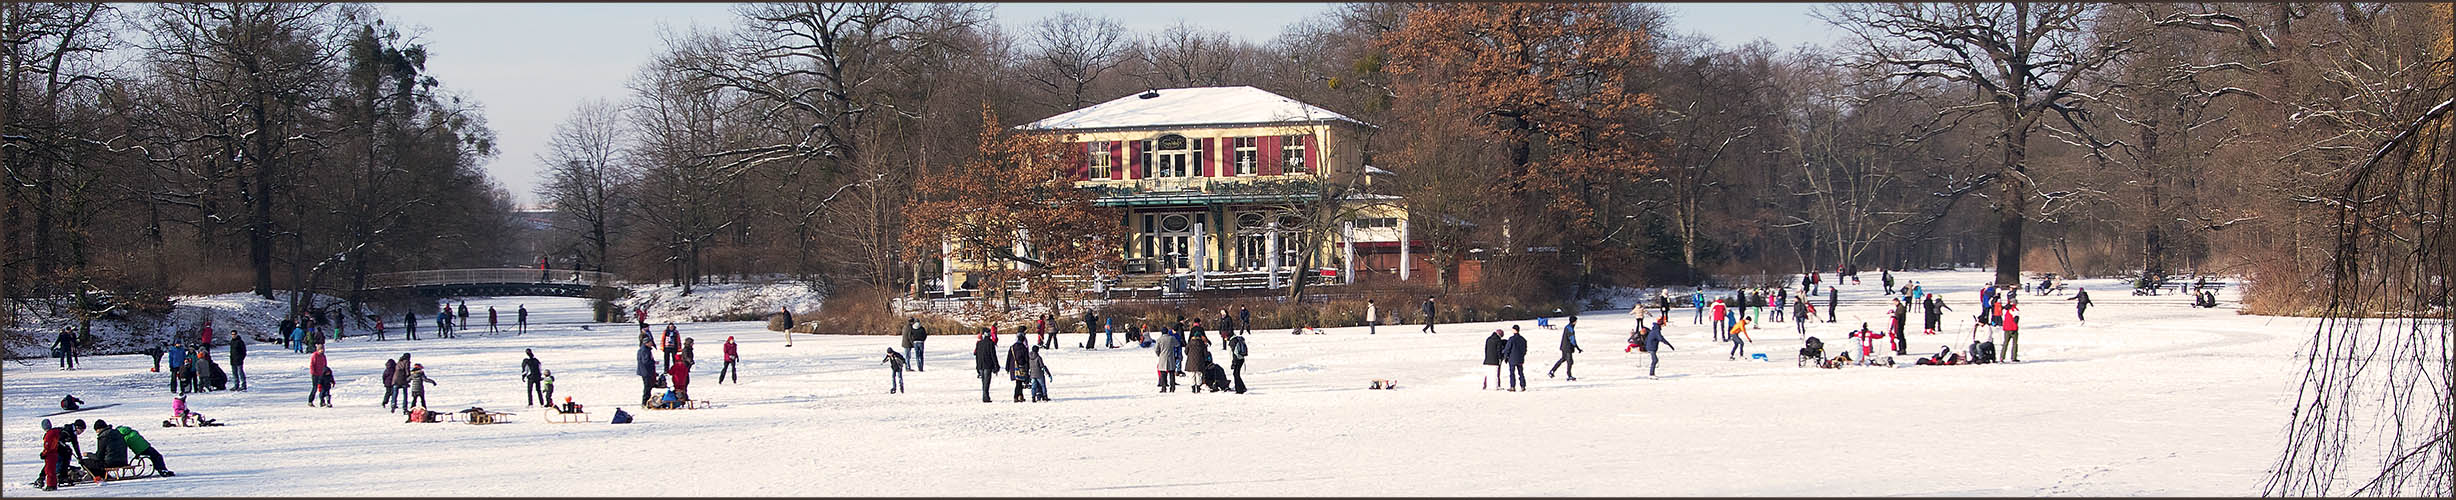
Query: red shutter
(1210,147)
(1134,153)
(1270,155)
(1083,166)
(1117,160)
(1311,164)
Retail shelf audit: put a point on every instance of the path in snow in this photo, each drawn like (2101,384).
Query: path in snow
(2151,398)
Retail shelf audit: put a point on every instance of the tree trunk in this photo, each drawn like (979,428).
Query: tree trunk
(2014,213)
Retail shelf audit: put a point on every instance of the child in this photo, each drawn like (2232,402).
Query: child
(895,371)
(1040,377)
(546,385)
(570,407)
(184,417)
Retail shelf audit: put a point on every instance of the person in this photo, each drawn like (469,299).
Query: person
(324,381)
(2080,309)
(1833,300)
(1867,342)
(138,447)
(1039,373)
(392,374)
(1236,361)
(1495,346)
(1799,315)
(678,371)
(895,371)
(443,323)
(640,314)
(2012,332)
(1245,321)
(238,362)
(524,323)
(409,326)
(464,313)
(179,367)
(55,456)
(645,365)
(914,337)
(400,384)
(1108,326)
(985,359)
(109,451)
(65,347)
(1019,365)
(732,354)
(1166,347)
(1372,317)
(315,374)
(1888,277)
(187,415)
(787,313)
(1739,338)
(491,320)
(1697,307)
(532,373)
(1041,326)
(290,338)
(1654,343)
(1721,323)
(1516,355)
(1569,348)
(70,402)
(1091,329)
(671,346)
(1901,318)
(417,382)
(155,352)
(688,351)
(1428,314)
(1198,356)
(1935,313)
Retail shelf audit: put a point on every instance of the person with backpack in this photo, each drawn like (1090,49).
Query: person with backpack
(531,374)
(895,371)
(914,336)
(1236,362)
(1495,346)
(985,359)
(1569,349)
(1019,365)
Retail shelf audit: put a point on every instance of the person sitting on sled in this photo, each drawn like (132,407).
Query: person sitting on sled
(184,417)
(568,406)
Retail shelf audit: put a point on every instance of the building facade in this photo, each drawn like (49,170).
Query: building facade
(1216,184)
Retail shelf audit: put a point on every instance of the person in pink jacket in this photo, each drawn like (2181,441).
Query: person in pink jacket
(730,356)
(322,377)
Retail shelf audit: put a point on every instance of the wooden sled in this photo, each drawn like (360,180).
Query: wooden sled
(482,417)
(135,469)
(562,417)
(687,404)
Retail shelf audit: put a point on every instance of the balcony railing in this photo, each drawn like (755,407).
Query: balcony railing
(487,276)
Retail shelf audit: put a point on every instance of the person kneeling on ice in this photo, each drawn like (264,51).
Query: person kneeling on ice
(71,403)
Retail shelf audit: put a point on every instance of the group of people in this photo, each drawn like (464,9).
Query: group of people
(1183,348)
(64,456)
(192,366)
(680,355)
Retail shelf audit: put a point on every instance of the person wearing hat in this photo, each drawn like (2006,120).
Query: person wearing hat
(417,382)
(731,355)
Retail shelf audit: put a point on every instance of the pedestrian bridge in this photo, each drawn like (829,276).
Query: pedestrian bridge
(507,282)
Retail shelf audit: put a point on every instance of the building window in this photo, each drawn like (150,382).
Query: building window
(1293,149)
(1245,158)
(1102,162)
(1143,168)
(1201,157)
(1377,222)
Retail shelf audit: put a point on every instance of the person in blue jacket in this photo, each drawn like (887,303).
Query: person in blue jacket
(647,370)
(1654,348)
(1569,347)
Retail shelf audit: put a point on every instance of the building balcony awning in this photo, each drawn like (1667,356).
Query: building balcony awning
(1196,198)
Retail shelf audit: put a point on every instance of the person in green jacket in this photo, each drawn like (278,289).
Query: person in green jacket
(137,447)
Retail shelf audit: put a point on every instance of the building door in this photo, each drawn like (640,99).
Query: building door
(1172,237)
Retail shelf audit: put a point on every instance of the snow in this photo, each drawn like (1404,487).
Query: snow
(666,303)
(2152,397)
(244,312)
(1240,105)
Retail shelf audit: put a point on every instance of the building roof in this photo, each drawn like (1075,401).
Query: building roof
(1195,106)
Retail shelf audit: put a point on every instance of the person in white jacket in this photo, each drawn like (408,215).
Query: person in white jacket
(1372,317)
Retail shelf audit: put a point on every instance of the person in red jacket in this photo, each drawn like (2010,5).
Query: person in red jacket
(680,372)
(730,355)
(1719,325)
(319,373)
(55,455)
(2012,331)
(206,336)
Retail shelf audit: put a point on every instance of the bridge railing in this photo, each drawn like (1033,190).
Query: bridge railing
(476,276)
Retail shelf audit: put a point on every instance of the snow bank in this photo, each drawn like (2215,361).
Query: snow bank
(666,303)
(256,317)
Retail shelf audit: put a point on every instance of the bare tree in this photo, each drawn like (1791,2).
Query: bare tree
(583,159)
(1069,52)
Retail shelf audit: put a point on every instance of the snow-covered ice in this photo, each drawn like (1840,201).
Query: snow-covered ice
(2152,397)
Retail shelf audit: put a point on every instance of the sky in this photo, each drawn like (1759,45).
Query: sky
(527,65)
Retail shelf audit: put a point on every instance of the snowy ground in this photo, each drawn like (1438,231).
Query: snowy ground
(2151,398)
(667,303)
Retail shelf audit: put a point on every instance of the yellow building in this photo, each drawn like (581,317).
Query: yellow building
(1217,181)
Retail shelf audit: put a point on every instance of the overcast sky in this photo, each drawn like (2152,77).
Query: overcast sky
(529,64)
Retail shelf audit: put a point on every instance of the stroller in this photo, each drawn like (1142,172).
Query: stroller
(1815,351)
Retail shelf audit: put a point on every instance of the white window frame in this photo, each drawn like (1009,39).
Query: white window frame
(1292,155)
(1102,163)
(1248,155)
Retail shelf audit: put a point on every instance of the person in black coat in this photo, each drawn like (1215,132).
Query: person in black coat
(1516,354)
(66,347)
(1245,320)
(1019,362)
(985,360)
(1494,347)
(2080,309)
(1428,317)
(1833,299)
(1091,329)
(238,362)
(529,368)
